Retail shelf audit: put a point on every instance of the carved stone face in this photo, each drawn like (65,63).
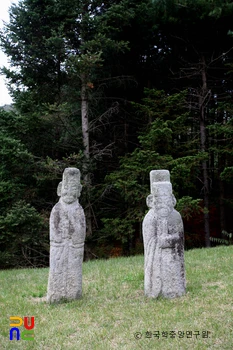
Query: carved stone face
(70,188)
(70,191)
(163,198)
(164,205)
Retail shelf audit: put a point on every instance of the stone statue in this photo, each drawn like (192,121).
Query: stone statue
(163,238)
(67,235)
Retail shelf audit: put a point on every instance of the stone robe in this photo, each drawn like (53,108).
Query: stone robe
(164,255)
(67,235)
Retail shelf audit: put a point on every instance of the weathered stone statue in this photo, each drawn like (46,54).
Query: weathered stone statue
(163,238)
(67,235)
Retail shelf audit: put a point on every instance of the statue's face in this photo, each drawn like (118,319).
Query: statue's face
(164,205)
(71,189)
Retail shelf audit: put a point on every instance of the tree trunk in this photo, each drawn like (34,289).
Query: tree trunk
(202,106)
(85,119)
(222,208)
(86,145)
(221,166)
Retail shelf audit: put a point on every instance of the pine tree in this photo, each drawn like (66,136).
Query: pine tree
(57,49)
(198,48)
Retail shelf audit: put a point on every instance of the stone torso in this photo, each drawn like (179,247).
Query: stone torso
(163,238)
(67,223)
(67,235)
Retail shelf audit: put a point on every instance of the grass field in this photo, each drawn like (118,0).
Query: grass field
(113,312)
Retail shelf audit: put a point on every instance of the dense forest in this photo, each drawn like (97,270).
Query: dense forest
(116,88)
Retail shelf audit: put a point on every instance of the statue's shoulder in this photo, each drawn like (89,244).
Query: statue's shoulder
(175,216)
(150,216)
(57,208)
(77,207)
(176,213)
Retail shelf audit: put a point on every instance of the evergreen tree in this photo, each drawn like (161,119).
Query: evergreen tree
(198,44)
(167,142)
(57,49)
(23,236)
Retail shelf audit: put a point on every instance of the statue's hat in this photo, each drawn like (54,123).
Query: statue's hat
(161,189)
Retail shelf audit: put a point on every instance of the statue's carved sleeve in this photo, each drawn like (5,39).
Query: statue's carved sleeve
(55,229)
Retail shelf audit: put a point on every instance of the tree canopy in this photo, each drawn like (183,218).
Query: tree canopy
(116,88)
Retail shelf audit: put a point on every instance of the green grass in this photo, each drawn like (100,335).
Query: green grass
(113,307)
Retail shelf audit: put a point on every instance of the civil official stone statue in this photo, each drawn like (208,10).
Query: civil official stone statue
(67,235)
(163,238)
